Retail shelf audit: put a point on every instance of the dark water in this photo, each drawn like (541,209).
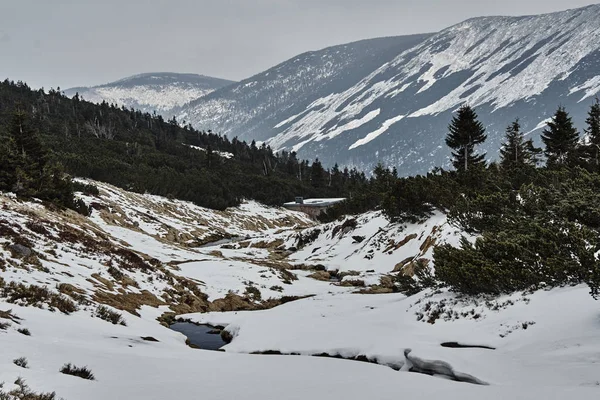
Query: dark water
(199,336)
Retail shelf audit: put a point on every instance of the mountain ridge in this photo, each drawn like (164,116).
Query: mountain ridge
(151,91)
(398,111)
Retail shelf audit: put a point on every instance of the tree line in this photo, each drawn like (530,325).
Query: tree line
(536,223)
(143,152)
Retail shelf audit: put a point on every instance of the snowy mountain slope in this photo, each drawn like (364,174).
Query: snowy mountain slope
(251,108)
(507,67)
(160,92)
(370,242)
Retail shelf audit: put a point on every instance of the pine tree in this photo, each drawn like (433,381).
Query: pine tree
(516,151)
(317,174)
(31,156)
(8,163)
(561,140)
(466,132)
(593,132)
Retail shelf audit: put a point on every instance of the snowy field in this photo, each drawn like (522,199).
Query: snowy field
(545,344)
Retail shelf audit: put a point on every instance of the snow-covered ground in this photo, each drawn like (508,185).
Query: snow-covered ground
(544,338)
(144,256)
(370,242)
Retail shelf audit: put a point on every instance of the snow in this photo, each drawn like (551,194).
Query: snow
(382,248)
(316,202)
(591,87)
(559,347)
(353,124)
(371,136)
(159,97)
(543,124)
(127,367)
(502,60)
(546,342)
(223,154)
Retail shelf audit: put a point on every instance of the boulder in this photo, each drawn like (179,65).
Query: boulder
(20,251)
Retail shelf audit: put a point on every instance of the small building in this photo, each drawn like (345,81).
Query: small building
(312,207)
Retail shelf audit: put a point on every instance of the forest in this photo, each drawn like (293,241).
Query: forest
(142,152)
(535,212)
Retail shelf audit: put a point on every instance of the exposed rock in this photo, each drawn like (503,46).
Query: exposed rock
(429,241)
(412,267)
(395,246)
(226,336)
(20,251)
(402,264)
(348,226)
(358,239)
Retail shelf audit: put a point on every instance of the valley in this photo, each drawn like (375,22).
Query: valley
(415,215)
(144,258)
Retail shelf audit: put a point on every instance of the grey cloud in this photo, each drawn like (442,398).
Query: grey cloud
(85,42)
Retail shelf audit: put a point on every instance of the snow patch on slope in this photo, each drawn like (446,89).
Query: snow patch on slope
(371,136)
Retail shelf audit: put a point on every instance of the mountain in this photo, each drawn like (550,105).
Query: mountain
(398,112)
(257,107)
(150,92)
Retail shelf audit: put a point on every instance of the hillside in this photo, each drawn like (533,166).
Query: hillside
(397,111)
(149,92)
(251,108)
(146,153)
(89,290)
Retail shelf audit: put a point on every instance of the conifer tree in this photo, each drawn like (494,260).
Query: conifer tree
(8,162)
(516,151)
(593,132)
(561,140)
(31,157)
(317,174)
(466,132)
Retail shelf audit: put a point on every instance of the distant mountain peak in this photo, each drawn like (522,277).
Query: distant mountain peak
(154,91)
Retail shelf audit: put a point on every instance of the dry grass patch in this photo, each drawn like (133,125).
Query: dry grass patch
(108,315)
(77,294)
(129,302)
(36,296)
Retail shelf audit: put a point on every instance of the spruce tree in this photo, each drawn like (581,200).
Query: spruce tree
(31,156)
(8,162)
(317,174)
(516,151)
(466,132)
(561,140)
(593,132)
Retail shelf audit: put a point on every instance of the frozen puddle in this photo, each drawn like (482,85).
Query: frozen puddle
(200,336)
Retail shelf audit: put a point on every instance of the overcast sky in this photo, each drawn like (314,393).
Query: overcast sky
(69,43)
